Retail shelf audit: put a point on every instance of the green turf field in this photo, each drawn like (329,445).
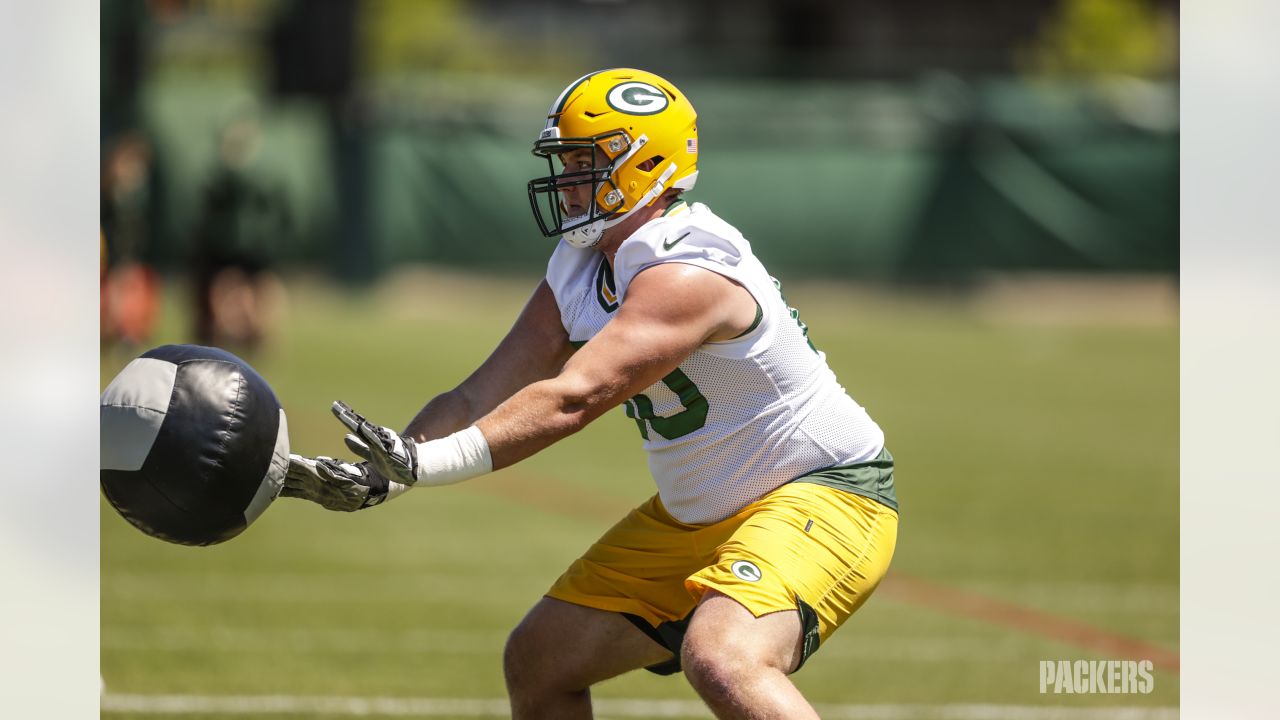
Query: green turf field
(1037,470)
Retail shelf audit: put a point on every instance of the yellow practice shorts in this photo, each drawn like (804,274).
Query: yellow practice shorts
(804,546)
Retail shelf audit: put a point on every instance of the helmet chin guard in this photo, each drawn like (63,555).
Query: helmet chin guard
(583,236)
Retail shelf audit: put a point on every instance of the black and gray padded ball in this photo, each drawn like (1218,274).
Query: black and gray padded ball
(194,444)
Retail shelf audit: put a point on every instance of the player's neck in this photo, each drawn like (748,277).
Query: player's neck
(616,235)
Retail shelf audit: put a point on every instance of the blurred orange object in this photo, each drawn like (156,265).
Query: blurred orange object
(130,301)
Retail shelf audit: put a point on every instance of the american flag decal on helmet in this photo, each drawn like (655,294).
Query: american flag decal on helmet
(691,146)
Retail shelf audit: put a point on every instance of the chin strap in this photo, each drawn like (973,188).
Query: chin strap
(658,187)
(588,235)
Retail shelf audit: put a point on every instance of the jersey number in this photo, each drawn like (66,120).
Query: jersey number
(682,423)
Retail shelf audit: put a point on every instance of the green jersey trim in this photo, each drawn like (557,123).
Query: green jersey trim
(754,323)
(871,479)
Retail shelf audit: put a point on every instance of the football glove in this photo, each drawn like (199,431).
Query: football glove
(388,453)
(334,484)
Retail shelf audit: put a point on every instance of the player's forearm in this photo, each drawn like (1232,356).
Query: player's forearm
(529,421)
(447,413)
(540,415)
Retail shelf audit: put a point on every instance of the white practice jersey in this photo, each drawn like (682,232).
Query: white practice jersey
(740,417)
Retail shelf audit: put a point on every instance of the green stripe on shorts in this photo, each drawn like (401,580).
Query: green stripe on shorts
(872,479)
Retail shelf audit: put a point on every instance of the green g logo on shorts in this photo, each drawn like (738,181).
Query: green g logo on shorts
(745,570)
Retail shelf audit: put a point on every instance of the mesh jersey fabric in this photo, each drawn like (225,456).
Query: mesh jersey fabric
(773,408)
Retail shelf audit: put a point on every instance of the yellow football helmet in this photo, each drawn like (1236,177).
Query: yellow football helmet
(628,119)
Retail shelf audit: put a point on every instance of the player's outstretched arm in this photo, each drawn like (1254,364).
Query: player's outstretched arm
(534,349)
(669,311)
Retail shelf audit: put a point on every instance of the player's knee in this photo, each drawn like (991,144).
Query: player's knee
(527,659)
(716,664)
(519,657)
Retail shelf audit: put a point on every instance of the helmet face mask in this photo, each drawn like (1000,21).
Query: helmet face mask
(605,198)
(615,114)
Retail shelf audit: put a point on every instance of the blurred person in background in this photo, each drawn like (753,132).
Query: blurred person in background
(130,287)
(776,515)
(242,224)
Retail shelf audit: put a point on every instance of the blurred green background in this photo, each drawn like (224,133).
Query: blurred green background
(903,140)
(973,205)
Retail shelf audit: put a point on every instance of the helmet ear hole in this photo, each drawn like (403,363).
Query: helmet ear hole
(649,164)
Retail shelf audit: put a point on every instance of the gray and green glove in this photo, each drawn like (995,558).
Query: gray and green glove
(334,484)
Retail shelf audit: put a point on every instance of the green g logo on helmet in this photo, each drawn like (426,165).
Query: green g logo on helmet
(637,98)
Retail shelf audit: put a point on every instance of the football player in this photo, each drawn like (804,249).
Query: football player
(775,516)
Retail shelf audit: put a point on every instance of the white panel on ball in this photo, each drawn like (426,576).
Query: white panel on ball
(274,480)
(132,409)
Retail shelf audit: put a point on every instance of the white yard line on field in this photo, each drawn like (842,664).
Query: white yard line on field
(630,708)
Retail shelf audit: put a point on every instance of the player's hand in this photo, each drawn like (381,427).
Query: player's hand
(334,484)
(389,454)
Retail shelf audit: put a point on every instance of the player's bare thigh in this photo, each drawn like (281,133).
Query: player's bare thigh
(566,647)
(722,625)
(739,662)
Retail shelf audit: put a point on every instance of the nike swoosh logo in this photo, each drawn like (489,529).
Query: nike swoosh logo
(668,245)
